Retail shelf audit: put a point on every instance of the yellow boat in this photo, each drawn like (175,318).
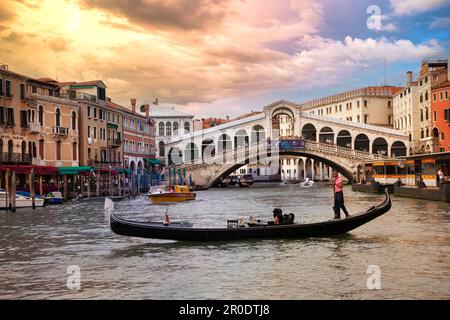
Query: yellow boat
(172,194)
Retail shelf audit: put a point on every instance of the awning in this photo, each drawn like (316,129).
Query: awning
(74,170)
(124,170)
(26,169)
(153,161)
(112,125)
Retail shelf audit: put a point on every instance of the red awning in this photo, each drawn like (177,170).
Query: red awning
(39,170)
(113,172)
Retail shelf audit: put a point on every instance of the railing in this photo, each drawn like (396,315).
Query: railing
(73,95)
(107,164)
(61,131)
(242,154)
(35,127)
(114,142)
(15,158)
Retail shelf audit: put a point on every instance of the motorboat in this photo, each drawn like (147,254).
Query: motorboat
(171,193)
(54,197)
(23,200)
(307,183)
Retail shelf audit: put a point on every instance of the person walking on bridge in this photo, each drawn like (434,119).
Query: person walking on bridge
(338,196)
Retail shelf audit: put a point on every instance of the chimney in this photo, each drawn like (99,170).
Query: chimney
(409,78)
(228,118)
(147,110)
(156,102)
(133,105)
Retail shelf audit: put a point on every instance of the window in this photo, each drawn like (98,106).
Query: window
(41,116)
(89,132)
(365,118)
(89,111)
(434,97)
(427,132)
(357,104)
(426,113)
(426,95)
(8,88)
(389,104)
(446,95)
(421,134)
(175,128)
(74,121)
(161,128)
(10,116)
(74,151)
(33,89)
(22,91)
(95,113)
(421,98)
(365,103)
(58,150)
(421,115)
(389,120)
(442,135)
(41,149)
(101,94)
(446,114)
(23,119)
(434,115)
(187,128)
(95,132)
(58,118)
(51,92)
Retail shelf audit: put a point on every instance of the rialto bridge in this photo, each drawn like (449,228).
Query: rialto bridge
(281,130)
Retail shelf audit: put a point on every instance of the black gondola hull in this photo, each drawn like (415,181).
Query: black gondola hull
(181,232)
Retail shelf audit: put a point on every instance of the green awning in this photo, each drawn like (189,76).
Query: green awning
(81,87)
(73,170)
(123,170)
(153,161)
(112,125)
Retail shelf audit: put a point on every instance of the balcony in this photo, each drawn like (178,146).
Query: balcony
(60,131)
(35,128)
(15,158)
(74,95)
(114,143)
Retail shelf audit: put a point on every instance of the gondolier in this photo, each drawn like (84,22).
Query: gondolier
(338,196)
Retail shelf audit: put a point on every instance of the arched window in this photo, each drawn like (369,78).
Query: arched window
(41,116)
(168,129)
(187,127)
(426,95)
(421,115)
(58,117)
(10,150)
(74,121)
(161,128)
(34,150)
(32,116)
(426,113)
(421,134)
(421,98)
(24,150)
(427,132)
(175,128)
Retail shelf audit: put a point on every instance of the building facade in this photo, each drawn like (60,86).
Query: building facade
(38,126)
(369,105)
(432,73)
(406,112)
(169,123)
(440,118)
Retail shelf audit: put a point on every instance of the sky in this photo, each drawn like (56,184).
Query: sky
(223,57)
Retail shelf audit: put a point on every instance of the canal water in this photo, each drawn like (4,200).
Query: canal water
(409,246)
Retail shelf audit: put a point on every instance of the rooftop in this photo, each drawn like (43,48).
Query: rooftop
(162,112)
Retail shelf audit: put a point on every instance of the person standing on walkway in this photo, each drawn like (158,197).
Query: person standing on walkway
(338,196)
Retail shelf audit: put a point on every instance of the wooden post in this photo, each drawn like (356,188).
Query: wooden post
(110,184)
(41,186)
(65,187)
(97,181)
(13,192)
(119,178)
(7,189)
(82,184)
(88,187)
(32,193)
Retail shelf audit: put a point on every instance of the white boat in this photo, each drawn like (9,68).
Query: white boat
(21,201)
(307,183)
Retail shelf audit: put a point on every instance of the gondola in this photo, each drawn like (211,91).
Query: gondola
(182,231)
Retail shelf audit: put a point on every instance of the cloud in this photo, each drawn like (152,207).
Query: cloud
(411,7)
(375,22)
(440,23)
(162,15)
(57,44)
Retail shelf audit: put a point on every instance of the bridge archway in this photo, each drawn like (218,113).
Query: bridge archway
(380,146)
(398,149)
(335,164)
(258,134)
(241,139)
(326,135)
(190,152)
(362,142)
(175,156)
(283,120)
(344,139)
(208,148)
(309,132)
